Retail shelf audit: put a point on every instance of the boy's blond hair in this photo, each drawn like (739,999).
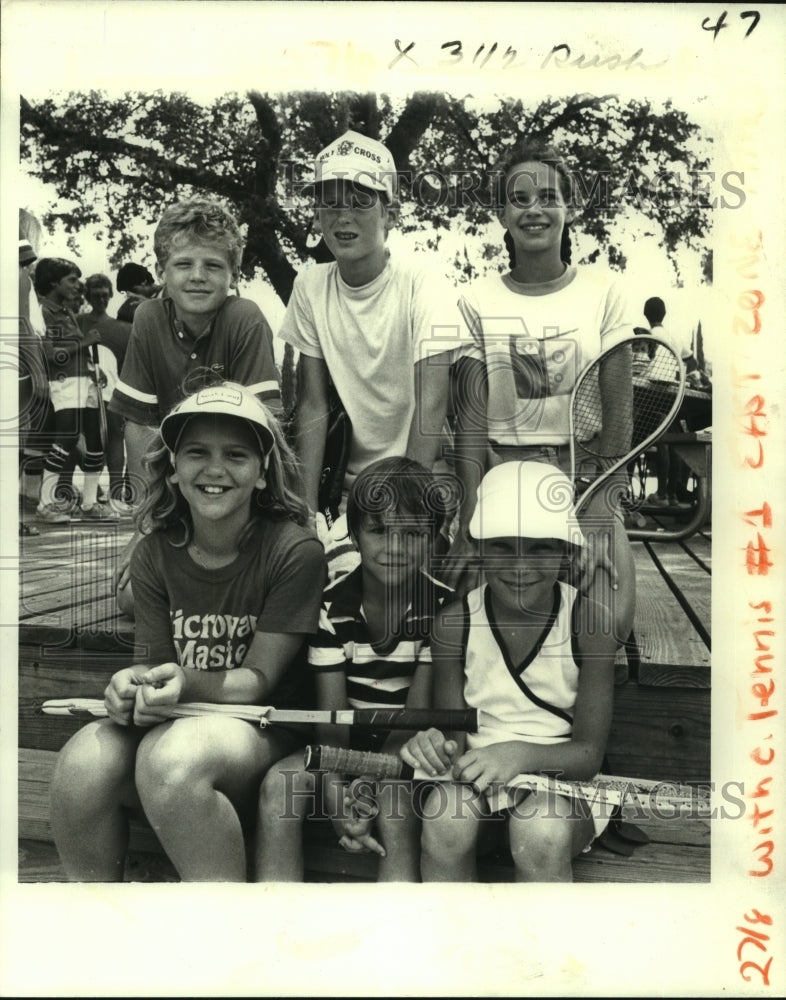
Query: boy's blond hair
(201,220)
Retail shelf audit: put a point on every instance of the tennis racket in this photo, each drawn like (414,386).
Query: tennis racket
(462,720)
(648,796)
(97,377)
(616,415)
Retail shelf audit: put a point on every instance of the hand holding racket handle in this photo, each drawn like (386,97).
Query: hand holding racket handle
(659,795)
(370,718)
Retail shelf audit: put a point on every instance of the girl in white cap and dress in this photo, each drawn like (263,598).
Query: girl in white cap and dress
(537,659)
(228,584)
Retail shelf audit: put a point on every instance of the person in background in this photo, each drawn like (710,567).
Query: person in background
(672,472)
(138,284)
(34,402)
(114,333)
(36,415)
(71,384)
(111,354)
(655,314)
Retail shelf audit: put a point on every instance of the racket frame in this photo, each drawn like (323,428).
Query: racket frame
(102,418)
(613,789)
(465,720)
(610,464)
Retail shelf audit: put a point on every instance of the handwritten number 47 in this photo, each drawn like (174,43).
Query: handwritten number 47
(753,15)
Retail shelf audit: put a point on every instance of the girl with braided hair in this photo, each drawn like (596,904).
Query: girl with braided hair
(534,329)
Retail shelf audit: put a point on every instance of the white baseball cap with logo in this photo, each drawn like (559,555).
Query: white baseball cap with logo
(356,158)
(227,400)
(525,500)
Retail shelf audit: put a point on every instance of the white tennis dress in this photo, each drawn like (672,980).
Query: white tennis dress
(530,701)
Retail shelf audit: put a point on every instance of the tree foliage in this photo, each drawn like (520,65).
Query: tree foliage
(114,160)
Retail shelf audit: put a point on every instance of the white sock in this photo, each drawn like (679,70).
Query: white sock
(48,486)
(90,489)
(31,486)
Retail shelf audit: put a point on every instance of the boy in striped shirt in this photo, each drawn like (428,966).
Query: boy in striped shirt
(372,650)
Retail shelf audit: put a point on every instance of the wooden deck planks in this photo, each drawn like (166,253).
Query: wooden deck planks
(60,673)
(66,585)
(671,650)
(47,578)
(38,861)
(77,600)
(692,583)
(660,732)
(700,545)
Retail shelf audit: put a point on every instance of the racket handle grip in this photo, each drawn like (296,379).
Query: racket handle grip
(365,762)
(460,720)
(84,708)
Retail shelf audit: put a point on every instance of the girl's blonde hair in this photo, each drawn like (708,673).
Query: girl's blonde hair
(165,507)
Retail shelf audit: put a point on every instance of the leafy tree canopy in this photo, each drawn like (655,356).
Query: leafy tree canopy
(114,160)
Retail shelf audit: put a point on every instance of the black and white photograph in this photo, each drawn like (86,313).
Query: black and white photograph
(394,394)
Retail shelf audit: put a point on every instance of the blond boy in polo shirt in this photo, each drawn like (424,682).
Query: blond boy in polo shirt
(195,325)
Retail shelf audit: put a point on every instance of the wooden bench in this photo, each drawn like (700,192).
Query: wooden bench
(71,641)
(678,850)
(695,449)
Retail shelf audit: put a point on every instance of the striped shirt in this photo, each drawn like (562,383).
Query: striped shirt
(378,675)
(237,346)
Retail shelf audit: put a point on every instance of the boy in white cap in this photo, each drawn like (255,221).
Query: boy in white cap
(537,659)
(382,331)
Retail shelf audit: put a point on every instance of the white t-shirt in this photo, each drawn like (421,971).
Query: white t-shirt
(679,340)
(534,341)
(370,338)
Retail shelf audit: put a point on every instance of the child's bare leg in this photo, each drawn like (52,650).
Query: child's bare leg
(398,830)
(193,775)
(546,832)
(92,785)
(285,799)
(624,598)
(451,818)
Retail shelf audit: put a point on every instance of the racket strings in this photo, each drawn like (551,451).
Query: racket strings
(654,394)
